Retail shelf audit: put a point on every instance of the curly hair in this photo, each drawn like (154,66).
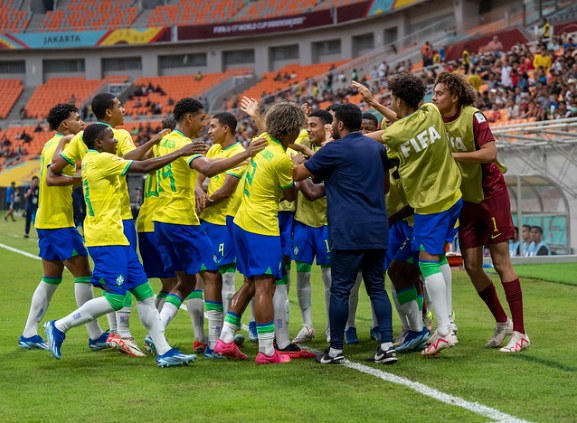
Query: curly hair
(60,113)
(408,88)
(283,119)
(185,106)
(458,85)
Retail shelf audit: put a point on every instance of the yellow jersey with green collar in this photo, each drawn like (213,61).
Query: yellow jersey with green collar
(144,222)
(268,173)
(101,176)
(76,149)
(311,213)
(54,203)
(217,214)
(429,175)
(236,198)
(176,182)
(302,139)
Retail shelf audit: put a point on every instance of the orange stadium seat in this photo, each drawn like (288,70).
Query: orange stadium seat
(61,90)
(11,90)
(12,19)
(197,12)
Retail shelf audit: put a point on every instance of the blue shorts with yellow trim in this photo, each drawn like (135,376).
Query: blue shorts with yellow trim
(60,244)
(130,232)
(116,269)
(151,258)
(257,254)
(222,242)
(285,224)
(398,234)
(309,242)
(433,230)
(185,248)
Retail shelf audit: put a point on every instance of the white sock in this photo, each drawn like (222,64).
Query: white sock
(40,302)
(112,322)
(150,319)
(280,323)
(167,313)
(414,315)
(251,318)
(227,289)
(83,293)
(228,331)
(304,295)
(195,307)
(327,279)
(265,343)
(87,313)
(214,326)
(123,322)
(334,352)
(386,345)
(448,276)
(354,302)
(400,311)
(438,294)
(426,296)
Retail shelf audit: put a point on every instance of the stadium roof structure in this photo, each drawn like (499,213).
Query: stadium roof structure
(543,203)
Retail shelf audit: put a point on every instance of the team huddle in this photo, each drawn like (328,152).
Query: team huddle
(287,197)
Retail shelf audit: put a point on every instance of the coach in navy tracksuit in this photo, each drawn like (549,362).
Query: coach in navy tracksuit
(355,170)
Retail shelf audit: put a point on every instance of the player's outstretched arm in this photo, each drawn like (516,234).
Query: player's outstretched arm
(150,165)
(225,191)
(139,152)
(60,180)
(250,106)
(59,162)
(211,167)
(487,153)
(370,100)
(200,196)
(312,191)
(300,172)
(302,149)
(377,136)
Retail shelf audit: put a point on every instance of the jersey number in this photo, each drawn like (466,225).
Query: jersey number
(151,187)
(249,176)
(166,172)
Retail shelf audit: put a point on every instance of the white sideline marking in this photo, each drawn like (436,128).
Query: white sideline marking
(389,377)
(24,253)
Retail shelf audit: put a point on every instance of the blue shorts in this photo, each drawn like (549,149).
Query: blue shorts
(116,269)
(222,241)
(285,224)
(229,223)
(185,248)
(433,230)
(257,254)
(130,232)
(398,234)
(151,258)
(309,242)
(60,244)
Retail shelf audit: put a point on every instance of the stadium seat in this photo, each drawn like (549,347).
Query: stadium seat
(12,19)
(11,90)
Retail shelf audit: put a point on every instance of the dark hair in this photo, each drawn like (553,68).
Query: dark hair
(34,177)
(332,107)
(226,119)
(96,130)
(527,226)
(350,115)
(101,103)
(408,88)
(324,116)
(458,85)
(169,123)
(59,113)
(185,106)
(538,228)
(370,116)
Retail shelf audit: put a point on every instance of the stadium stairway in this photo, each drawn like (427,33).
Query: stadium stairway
(25,96)
(36,23)
(142,19)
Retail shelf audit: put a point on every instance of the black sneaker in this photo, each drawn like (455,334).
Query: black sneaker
(386,357)
(325,358)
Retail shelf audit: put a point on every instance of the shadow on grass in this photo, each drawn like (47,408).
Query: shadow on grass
(547,363)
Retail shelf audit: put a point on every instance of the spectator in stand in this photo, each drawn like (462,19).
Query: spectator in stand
(514,244)
(538,246)
(425,54)
(526,235)
(513,109)
(542,59)
(466,59)
(506,79)
(546,30)
(495,46)
(10,201)
(23,113)
(31,204)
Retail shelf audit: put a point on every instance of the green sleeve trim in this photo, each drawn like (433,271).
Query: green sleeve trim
(67,159)
(288,186)
(194,157)
(232,173)
(127,166)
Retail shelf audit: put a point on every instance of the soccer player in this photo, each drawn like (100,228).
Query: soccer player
(10,198)
(256,233)
(109,111)
(151,258)
(431,181)
(486,215)
(370,123)
(184,246)
(355,172)
(116,265)
(60,243)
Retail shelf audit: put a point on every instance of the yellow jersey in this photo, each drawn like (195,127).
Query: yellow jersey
(101,176)
(76,149)
(176,182)
(149,204)
(311,213)
(268,173)
(54,203)
(217,214)
(302,139)
(236,198)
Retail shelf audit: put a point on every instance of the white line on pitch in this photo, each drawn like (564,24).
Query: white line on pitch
(24,253)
